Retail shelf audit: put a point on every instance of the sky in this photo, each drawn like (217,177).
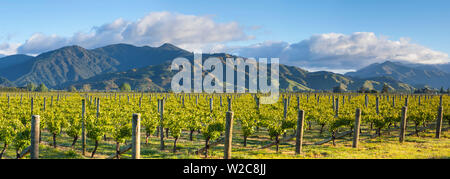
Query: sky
(335,35)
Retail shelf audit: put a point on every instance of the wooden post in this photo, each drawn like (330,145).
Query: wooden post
(439,122)
(257,103)
(32,99)
(406,101)
(299,131)
(182,100)
(83,126)
(403,124)
(159,105)
(377,105)
(44,104)
(161,127)
(98,108)
(357,128)
(285,109)
(229,103)
(136,136)
(35,127)
(211,104)
(285,100)
(366,100)
(393,101)
(228,135)
(337,107)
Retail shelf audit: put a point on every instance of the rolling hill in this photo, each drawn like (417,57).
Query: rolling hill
(11,66)
(148,68)
(73,63)
(418,75)
(67,64)
(158,77)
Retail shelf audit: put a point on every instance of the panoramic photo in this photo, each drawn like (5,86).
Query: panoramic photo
(201,80)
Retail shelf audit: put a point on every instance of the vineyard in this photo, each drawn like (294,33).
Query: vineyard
(195,125)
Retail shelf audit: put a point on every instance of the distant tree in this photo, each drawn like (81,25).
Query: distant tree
(86,87)
(72,89)
(429,90)
(385,89)
(338,89)
(448,90)
(31,86)
(125,87)
(442,90)
(426,90)
(362,90)
(42,88)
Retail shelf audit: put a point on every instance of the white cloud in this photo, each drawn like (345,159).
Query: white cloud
(8,48)
(181,29)
(188,31)
(39,42)
(340,52)
(333,51)
(265,49)
(334,70)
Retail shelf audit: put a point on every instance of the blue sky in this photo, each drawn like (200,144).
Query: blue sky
(425,23)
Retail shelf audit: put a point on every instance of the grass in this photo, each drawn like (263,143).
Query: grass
(386,147)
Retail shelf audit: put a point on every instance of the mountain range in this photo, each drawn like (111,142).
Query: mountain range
(148,68)
(413,74)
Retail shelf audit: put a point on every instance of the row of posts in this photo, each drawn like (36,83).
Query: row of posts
(35,127)
(136,118)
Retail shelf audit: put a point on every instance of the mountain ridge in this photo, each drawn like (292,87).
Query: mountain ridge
(158,77)
(417,75)
(10,65)
(111,65)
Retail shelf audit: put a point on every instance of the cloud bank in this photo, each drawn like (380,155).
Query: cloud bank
(8,49)
(332,51)
(188,31)
(340,52)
